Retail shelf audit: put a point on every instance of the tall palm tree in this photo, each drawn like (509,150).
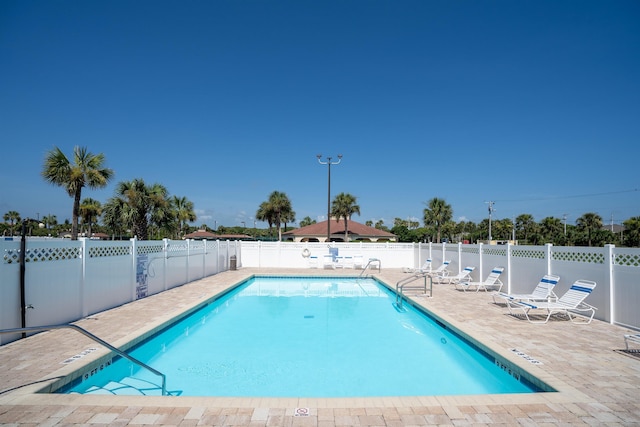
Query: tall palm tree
(141,205)
(90,211)
(436,214)
(87,170)
(281,208)
(344,206)
(12,217)
(183,208)
(276,210)
(589,222)
(266,213)
(288,217)
(112,215)
(50,221)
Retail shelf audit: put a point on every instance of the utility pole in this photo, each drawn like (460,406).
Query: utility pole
(490,212)
(564,217)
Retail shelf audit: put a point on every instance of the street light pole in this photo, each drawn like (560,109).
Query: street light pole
(329,163)
(490,212)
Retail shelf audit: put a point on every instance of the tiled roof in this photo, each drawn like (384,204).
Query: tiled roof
(337,227)
(202,234)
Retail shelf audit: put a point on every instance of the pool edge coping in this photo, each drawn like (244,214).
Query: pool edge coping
(37,393)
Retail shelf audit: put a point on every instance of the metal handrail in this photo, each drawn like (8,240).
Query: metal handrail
(401,284)
(96,339)
(369,263)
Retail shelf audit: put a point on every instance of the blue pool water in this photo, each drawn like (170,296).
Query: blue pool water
(306,337)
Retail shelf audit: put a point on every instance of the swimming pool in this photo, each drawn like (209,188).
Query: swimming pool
(307,337)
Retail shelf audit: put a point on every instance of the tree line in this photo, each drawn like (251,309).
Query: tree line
(588,230)
(150,212)
(136,209)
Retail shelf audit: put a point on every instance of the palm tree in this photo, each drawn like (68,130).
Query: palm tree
(307,221)
(87,170)
(288,217)
(437,213)
(344,206)
(183,208)
(12,217)
(280,207)
(90,211)
(266,213)
(632,231)
(525,224)
(112,215)
(551,228)
(589,222)
(141,206)
(50,221)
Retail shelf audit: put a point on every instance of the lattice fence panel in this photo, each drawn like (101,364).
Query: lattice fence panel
(629,260)
(12,256)
(587,257)
(108,251)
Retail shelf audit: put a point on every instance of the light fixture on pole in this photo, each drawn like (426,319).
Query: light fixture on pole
(490,212)
(329,163)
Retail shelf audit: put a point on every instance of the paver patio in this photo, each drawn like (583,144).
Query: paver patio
(598,385)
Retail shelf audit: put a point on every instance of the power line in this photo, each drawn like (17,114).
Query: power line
(569,197)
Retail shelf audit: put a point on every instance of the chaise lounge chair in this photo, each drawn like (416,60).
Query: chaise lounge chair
(425,268)
(572,300)
(439,272)
(542,292)
(491,282)
(327,261)
(358,261)
(631,338)
(463,275)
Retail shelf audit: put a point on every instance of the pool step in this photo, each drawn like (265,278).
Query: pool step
(127,386)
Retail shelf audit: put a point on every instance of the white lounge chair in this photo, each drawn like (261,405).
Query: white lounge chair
(465,274)
(424,268)
(542,292)
(327,261)
(631,338)
(439,272)
(572,300)
(492,282)
(358,261)
(312,261)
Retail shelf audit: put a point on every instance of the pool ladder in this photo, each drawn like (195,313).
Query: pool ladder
(96,339)
(404,282)
(371,261)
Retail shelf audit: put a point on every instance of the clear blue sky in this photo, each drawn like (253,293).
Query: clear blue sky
(534,105)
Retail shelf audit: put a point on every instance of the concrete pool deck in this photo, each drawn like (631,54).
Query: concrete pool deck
(598,385)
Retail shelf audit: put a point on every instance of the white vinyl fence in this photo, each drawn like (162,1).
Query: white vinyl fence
(66,280)
(615,270)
